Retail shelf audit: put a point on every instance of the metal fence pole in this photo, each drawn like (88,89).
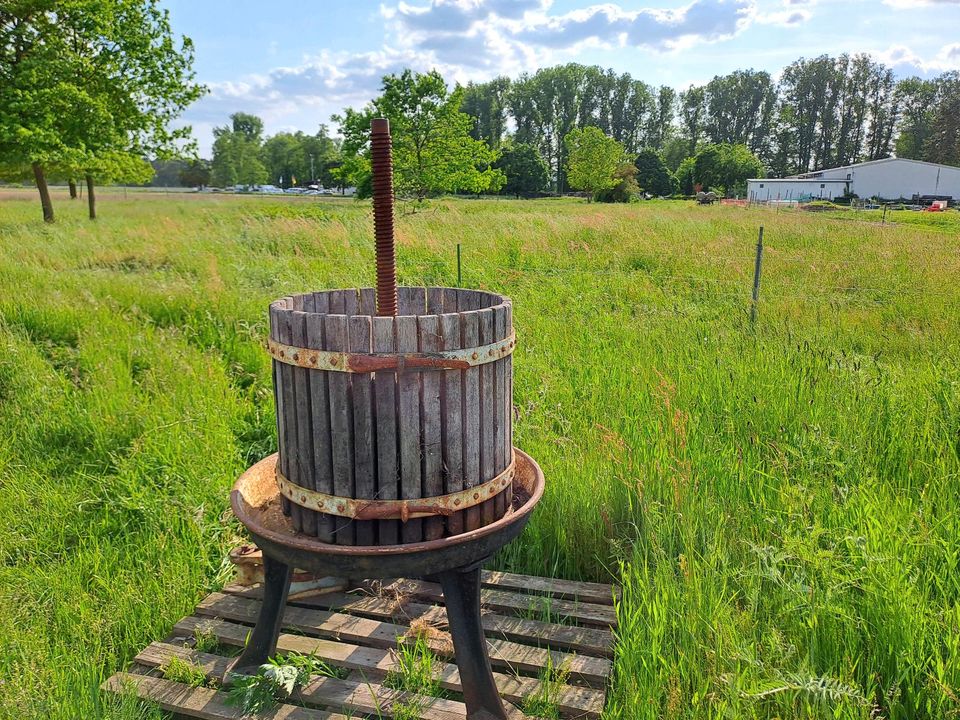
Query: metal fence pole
(756,277)
(459,270)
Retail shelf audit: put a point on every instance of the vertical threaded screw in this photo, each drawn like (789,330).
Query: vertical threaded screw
(381,161)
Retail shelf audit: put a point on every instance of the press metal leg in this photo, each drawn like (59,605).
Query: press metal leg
(461,592)
(263,639)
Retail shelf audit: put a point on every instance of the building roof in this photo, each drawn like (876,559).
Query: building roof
(795,179)
(870,162)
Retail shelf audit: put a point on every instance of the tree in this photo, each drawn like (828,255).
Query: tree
(524,168)
(486,104)
(195,174)
(592,159)
(943,144)
(725,167)
(675,152)
(685,174)
(740,109)
(916,99)
(624,187)
(432,148)
(652,174)
(90,87)
(693,109)
(284,159)
(237,152)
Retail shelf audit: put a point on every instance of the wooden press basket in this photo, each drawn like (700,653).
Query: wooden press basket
(393,429)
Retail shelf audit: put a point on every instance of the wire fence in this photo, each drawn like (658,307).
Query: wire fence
(775,288)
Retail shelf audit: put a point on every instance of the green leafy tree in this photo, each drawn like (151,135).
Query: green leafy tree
(943,143)
(725,167)
(652,173)
(195,174)
(433,151)
(592,159)
(238,151)
(284,159)
(675,152)
(486,104)
(524,168)
(89,88)
(685,174)
(625,186)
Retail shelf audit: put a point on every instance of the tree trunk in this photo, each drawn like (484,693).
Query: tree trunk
(45,201)
(73,189)
(91,198)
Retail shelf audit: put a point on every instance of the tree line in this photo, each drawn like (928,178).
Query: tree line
(823,112)
(241,155)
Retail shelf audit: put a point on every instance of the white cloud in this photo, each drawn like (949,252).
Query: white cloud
(529,23)
(913,4)
(475,40)
(904,60)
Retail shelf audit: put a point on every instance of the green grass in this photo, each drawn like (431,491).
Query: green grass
(779,502)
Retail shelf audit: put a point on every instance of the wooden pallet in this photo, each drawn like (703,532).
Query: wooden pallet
(532,624)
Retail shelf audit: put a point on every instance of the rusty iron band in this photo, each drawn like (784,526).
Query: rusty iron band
(363,509)
(337,361)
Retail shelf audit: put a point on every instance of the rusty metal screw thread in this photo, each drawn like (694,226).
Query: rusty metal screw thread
(381,161)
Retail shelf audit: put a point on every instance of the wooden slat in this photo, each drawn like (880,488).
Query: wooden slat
(368,301)
(501,448)
(575,638)
(412,300)
(589,614)
(586,640)
(503,654)
(341,425)
(305,431)
(409,421)
(326,692)
(375,663)
(364,442)
(290,466)
(202,702)
(319,400)
(588,592)
(430,421)
(487,423)
(508,363)
(451,402)
(470,336)
(385,387)
(277,368)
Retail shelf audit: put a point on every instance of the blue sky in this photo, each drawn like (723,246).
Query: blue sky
(296,63)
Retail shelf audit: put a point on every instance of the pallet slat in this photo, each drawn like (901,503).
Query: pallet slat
(588,641)
(599,593)
(322,692)
(515,603)
(503,654)
(201,702)
(375,663)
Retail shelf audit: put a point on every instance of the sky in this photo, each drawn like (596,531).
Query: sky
(298,63)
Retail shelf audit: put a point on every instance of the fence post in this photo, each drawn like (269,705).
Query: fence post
(756,277)
(459,272)
(884,220)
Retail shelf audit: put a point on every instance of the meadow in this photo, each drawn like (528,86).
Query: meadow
(778,500)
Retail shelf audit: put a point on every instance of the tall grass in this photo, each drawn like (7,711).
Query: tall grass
(779,501)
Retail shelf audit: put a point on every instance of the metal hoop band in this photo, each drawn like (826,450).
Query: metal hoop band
(375,362)
(364,509)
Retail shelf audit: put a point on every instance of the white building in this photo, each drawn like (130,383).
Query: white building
(887,179)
